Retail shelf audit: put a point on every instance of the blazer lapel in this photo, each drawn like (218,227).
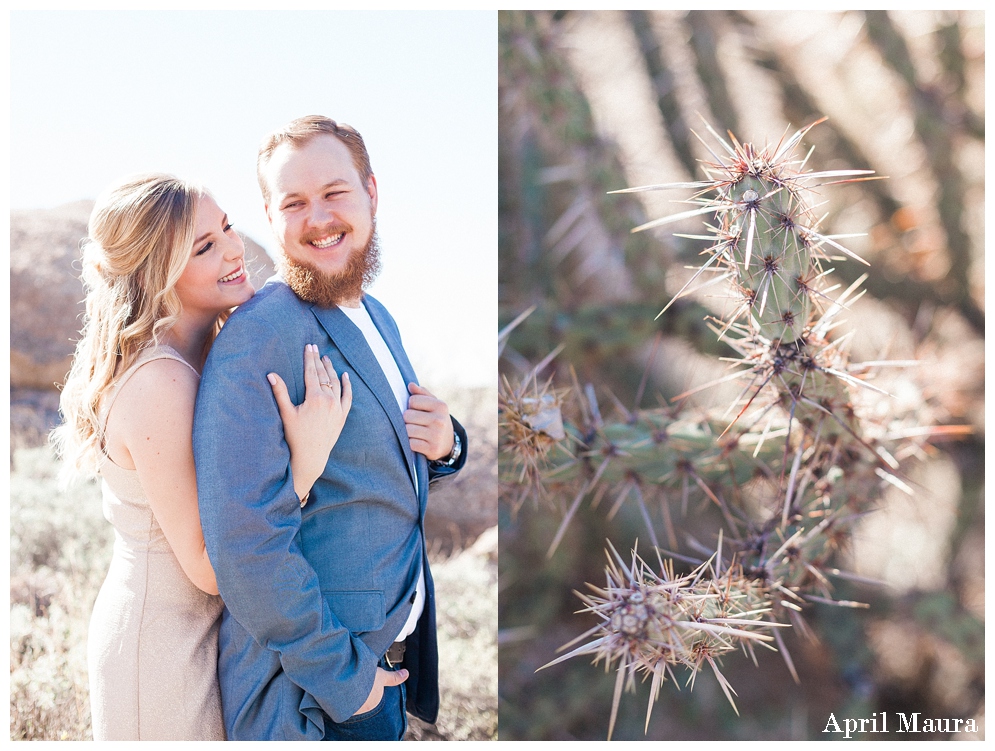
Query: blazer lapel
(387,331)
(352,344)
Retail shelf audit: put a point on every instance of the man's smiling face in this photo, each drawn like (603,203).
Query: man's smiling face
(320,210)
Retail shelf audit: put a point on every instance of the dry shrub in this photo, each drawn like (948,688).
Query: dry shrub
(60,547)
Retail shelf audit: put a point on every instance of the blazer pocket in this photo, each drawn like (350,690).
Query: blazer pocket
(358,611)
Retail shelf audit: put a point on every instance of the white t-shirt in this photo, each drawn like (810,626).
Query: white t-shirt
(361,317)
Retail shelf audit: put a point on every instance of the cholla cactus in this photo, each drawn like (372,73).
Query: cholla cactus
(790,465)
(532,426)
(652,622)
(768,244)
(658,450)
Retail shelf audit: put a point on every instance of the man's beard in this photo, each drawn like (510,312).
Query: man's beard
(313,285)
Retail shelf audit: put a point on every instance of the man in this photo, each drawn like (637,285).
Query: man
(326,596)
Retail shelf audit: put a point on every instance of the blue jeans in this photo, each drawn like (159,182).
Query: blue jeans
(388,721)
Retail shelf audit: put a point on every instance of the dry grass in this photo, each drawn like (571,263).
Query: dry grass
(60,547)
(466,585)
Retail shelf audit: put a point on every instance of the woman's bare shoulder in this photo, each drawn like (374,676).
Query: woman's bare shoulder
(152,409)
(160,385)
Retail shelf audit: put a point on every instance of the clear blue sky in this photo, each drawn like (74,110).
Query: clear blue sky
(97,95)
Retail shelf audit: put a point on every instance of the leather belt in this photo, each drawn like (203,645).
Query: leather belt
(395,655)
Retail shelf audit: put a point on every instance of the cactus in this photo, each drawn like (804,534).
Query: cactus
(791,467)
(652,622)
(656,448)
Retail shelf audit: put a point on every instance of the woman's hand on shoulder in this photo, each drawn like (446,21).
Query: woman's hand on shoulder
(313,427)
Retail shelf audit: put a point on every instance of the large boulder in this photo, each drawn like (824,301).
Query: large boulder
(46,294)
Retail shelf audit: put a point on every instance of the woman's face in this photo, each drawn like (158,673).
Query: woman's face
(215,278)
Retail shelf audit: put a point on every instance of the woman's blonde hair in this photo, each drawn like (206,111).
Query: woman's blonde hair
(140,236)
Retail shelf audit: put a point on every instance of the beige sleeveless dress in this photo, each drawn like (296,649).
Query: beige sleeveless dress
(152,649)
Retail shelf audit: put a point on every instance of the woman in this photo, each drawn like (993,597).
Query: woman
(163,268)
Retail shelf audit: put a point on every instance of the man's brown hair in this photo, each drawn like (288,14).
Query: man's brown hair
(298,132)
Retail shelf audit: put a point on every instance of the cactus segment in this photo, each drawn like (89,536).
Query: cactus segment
(773,257)
(531,428)
(652,622)
(766,232)
(654,449)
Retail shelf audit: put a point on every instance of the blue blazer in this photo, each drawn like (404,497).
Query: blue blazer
(313,596)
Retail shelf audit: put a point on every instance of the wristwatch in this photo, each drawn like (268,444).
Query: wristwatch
(454,455)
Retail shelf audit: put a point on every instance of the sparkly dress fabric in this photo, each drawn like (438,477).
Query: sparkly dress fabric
(152,650)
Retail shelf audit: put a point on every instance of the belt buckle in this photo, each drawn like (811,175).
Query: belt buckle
(395,654)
